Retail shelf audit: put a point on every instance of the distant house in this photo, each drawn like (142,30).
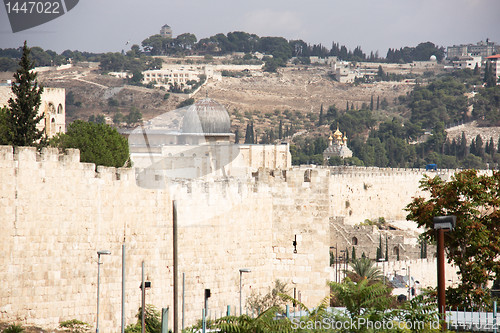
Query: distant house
(467,62)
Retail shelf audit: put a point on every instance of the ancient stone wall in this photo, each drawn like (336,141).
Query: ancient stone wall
(369,193)
(56,212)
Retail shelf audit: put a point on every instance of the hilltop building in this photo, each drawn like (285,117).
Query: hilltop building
(166,31)
(480,49)
(337,146)
(467,62)
(53,106)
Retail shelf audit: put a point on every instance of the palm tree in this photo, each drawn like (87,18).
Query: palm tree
(363,269)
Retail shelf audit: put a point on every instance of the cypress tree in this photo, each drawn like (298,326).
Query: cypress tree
(22,114)
(463,147)
(249,137)
(386,249)
(379,248)
(476,69)
(492,147)
(237,136)
(371,103)
(479,146)
(280,130)
(320,122)
(472,148)
(378,102)
(353,253)
(252,134)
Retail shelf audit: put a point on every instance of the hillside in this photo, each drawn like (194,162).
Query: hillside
(262,97)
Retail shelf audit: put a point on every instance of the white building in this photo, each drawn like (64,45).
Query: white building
(467,62)
(179,75)
(494,61)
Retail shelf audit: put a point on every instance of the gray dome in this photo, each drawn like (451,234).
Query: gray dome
(206,116)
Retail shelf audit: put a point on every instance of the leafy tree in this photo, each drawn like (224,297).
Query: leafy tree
(487,106)
(98,143)
(474,245)
(117,118)
(8,64)
(420,309)
(22,116)
(258,302)
(441,101)
(133,117)
(185,102)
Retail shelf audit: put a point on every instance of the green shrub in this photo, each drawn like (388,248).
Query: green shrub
(14,328)
(75,325)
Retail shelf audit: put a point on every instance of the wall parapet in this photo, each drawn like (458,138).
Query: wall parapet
(69,158)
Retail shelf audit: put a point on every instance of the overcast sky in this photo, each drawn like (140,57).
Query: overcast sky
(107,25)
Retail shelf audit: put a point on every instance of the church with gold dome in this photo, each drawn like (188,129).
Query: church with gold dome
(337,146)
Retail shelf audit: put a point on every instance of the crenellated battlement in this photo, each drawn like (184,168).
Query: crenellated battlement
(54,159)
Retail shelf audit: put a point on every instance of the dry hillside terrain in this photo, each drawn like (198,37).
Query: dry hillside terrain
(261,97)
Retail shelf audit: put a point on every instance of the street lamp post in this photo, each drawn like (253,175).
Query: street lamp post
(335,260)
(442,224)
(343,258)
(99,253)
(242,270)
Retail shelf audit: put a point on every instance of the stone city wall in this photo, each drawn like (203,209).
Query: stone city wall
(369,193)
(56,212)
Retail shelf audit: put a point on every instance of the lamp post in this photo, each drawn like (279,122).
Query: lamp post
(99,253)
(242,270)
(442,224)
(335,260)
(343,258)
